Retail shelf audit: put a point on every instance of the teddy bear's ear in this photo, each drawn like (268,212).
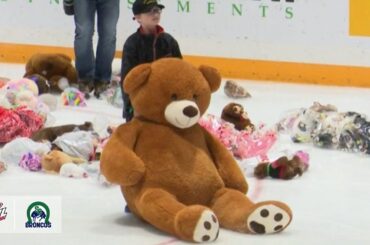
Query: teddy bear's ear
(136,77)
(212,76)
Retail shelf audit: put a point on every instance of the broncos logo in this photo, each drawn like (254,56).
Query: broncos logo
(38,213)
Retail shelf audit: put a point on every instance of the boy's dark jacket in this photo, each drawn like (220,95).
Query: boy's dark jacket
(139,49)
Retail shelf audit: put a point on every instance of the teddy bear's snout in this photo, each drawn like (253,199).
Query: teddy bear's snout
(182,113)
(190,111)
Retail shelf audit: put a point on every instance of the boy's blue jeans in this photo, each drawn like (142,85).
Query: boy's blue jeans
(89,68)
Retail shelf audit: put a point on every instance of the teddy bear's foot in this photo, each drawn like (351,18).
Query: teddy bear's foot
(207,228)
(237,212)
(198,224)
(269,217)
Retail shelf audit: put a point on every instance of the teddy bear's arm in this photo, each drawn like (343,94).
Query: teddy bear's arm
(226,164)
(119,163)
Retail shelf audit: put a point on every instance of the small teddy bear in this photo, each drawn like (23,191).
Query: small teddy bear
(57,69)
(54,160)
(283,168)
(235,114)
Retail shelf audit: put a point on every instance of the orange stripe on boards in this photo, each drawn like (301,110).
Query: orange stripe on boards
(292,72)
(20,53)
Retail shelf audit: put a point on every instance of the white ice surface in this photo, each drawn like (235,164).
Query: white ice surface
(330,202)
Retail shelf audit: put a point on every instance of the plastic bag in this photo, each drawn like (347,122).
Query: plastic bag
(13,152)
(76,143)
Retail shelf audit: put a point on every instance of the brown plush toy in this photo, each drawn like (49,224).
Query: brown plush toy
(283,168)
(41,82)
(234,113)
(54,160)
(56,68)
(172,172)
(52,133)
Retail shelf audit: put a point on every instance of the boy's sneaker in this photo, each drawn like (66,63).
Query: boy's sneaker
(100,87)
(86,87)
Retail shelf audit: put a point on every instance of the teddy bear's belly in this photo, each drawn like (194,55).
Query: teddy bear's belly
(180,167)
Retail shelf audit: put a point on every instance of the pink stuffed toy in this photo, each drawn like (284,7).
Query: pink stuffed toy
(31,162)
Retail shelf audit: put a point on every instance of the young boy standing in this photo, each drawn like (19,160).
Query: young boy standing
(147,44)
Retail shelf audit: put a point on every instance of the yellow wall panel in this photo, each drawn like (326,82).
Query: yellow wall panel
(359,16)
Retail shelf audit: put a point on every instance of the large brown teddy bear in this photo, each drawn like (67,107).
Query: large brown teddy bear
(56,68)
(172,172)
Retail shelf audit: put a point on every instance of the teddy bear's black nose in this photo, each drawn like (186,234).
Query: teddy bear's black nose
(190,111)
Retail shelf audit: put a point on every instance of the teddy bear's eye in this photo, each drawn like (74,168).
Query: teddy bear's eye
(195,97)
(174,97)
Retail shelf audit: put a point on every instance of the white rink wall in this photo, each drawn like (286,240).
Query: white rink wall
(308,31)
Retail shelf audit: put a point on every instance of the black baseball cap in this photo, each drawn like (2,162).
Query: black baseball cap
(143,6)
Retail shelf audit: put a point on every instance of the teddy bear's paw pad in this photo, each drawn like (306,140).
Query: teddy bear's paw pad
(268,219)
(207,227)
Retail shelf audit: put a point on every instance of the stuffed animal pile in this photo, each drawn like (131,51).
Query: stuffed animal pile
(172,172)
(325,127)
(242,143)
(55,150)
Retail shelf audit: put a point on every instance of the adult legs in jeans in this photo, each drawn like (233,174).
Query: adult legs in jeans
(108,13)
(99,69)
(83,44)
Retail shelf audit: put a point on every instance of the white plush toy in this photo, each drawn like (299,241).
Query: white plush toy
(71,170)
